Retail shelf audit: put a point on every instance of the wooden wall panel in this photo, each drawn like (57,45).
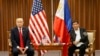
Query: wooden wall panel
(87,12)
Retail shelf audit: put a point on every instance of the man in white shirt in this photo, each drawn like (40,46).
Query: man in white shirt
(79,39)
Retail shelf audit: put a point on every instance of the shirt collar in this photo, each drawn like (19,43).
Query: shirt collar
(77,29)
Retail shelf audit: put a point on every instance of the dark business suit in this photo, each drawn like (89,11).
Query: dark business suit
(16,41)
(84,39)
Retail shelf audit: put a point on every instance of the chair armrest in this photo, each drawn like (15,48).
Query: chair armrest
(90,45)
(9,43)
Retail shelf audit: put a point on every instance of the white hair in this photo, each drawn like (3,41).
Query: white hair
(18,19)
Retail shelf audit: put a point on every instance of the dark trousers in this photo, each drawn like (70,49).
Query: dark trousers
(73,48)
(29,51)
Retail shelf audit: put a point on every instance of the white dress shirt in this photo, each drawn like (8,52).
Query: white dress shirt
(78,37)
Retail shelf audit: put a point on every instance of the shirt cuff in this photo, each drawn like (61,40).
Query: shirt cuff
(26,47)
(17,46)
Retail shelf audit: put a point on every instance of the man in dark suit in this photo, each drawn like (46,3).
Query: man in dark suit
(79,39)
(20,39)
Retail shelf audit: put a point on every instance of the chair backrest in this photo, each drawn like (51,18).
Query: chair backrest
(91,36)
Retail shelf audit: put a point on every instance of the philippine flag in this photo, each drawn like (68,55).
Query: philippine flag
(63,24)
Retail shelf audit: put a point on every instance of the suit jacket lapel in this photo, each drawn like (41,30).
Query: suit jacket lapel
(23,33)
(81,33)
(74,34)
(17,33)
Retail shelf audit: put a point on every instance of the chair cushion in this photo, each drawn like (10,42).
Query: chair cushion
(90,37)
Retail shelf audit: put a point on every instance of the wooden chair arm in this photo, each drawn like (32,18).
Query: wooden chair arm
(91,44)
(91,47)
(9,43)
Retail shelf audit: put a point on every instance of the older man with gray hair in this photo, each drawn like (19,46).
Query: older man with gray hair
(20,39)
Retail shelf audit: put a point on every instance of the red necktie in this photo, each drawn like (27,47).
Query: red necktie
(21,38)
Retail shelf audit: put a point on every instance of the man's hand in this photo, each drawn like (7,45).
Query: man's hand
(75,42)
(25,50)
(21,50)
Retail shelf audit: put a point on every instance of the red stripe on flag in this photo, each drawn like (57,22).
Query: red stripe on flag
(39,25)
(35,35)
(36,29)
(43,24)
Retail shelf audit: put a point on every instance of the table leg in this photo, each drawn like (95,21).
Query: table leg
(39,53)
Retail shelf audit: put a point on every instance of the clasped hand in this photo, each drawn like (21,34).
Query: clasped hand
(22,50)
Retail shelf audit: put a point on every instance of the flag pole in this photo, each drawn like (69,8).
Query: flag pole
(52,19)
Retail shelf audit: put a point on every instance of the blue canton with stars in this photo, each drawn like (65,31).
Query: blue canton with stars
(37,7)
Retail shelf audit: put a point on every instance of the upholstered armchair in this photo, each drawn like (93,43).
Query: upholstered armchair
(91,46)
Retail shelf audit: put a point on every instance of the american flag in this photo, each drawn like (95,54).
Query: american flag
(38,27)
